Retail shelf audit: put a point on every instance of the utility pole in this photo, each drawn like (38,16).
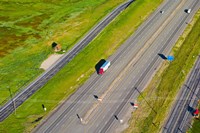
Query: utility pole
(145,100)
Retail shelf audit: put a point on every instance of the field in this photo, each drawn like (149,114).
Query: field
(156,101)
(76,72)
(27,34)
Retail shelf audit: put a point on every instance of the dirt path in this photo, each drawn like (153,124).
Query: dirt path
(50,61)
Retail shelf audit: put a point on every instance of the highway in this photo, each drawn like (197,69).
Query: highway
(132,67)
(179,120)
(17,100)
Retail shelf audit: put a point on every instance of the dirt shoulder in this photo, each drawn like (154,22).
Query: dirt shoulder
(50,61)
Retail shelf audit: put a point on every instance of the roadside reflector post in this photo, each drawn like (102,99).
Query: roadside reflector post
(81,119)
(99,99)
(96,97)
(44,108)
(134,104)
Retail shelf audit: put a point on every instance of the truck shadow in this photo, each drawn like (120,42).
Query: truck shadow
(54,44)
(99,64)
(191,110)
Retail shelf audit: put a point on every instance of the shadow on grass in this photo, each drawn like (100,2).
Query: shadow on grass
(99,64)
(54,44)
(38,119)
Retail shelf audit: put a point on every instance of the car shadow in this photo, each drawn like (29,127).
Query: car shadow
(95,96)
(162,56)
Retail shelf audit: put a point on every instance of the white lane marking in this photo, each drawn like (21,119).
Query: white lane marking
(57,124)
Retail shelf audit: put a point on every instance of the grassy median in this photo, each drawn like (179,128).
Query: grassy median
(156,101)
(64,83)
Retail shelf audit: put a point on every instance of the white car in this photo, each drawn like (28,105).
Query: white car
(188,11)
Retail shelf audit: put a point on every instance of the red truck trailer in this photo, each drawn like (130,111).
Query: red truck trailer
(104,67)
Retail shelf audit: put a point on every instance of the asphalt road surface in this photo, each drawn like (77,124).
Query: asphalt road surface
(16,101)
(132,66)
(181,115)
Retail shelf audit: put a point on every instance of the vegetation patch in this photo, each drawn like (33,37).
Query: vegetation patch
(156,101)
(27,34)
(65,82)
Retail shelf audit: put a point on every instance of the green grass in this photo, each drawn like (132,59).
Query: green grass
(65,82)
(26,35)
(195,127)
(162,90)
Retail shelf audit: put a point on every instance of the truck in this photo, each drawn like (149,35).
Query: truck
(104,67)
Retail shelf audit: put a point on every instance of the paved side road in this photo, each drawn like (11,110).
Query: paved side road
(8,108)
(182,113)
